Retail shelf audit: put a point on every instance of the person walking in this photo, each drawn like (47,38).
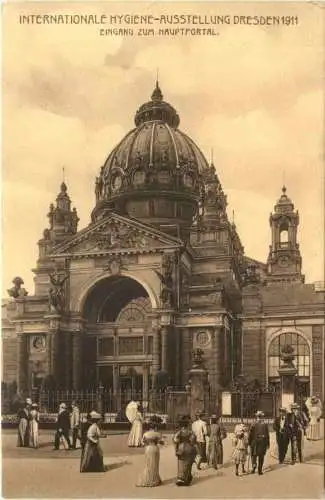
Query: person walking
(282,433)
(240,443)
(92,455)
(185,449)
(151,440)
(297,426)
(217,434)
(62,427)
(23,424)
(136,432)
(200,430)
(259,442)
(33,426)
(75,424)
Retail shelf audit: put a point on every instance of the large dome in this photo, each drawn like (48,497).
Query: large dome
(155,173)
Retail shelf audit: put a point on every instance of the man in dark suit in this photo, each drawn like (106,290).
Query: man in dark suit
(282,432)
(62,427)
(297,426)
(259,442)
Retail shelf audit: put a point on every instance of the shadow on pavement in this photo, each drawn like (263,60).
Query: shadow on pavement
(117,465)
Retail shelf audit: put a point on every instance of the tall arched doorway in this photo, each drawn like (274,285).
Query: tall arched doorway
(118,343)
(301,361)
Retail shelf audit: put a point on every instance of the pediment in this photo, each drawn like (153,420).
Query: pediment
(116,233)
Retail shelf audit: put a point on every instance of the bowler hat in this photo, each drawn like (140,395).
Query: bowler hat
(94,415)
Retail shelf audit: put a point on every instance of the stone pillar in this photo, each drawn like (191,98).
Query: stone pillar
(178,357)
(164,343)
(76,359)
(216,375)
(186,348)
(287,372)
(199,387)
(145,386)
(155,353)
(53,354)
(21,362)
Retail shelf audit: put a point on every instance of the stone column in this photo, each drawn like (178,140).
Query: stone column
(21,362)
(186,348)
(164,343)
(218,355)
(287,372)
(145,386)
(178,357)
(199,387)
(155,352)
(76,359)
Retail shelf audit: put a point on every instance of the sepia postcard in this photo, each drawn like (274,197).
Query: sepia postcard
(163,286)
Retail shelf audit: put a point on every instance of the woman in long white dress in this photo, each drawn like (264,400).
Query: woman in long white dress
(151,440)
(136,432)
(313,432)
(33,426)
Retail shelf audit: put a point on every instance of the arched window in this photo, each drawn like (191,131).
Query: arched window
(284,236)
(301,350)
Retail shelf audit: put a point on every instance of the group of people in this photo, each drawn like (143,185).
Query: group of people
(197,442)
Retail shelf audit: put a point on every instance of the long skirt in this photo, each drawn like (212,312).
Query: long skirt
(33,434)
(215,453)
(239,456)
(92,458)
(135,436)
(313,432)
(23,433)
(150,476)
(184,472)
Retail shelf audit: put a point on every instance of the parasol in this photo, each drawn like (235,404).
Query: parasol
(131,411)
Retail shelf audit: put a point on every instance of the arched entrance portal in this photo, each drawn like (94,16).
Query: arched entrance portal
(118,341)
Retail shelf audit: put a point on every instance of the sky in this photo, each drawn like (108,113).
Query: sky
(253,94)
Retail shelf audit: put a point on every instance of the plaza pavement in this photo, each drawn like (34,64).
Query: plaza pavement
(45,473)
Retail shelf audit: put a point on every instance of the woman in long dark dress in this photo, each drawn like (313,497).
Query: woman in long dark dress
(92,455)
(185,448)
(151,439)
(216,435)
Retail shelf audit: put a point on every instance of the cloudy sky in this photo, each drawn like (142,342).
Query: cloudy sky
(253,94)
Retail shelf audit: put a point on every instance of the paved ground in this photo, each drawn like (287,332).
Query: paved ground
(45,473)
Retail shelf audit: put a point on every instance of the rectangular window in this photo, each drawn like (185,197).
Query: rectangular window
(130,345)
(105,376)
(106,346)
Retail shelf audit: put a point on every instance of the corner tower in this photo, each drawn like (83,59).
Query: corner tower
(284,260)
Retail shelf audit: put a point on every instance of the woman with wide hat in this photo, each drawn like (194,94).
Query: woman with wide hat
(185,448)
(92,455)
(151,439)
(313,432)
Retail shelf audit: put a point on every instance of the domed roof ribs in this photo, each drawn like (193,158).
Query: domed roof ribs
(174,144)
(194,149)
(137,131)
(151,144)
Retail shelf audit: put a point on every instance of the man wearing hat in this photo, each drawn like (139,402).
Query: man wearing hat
(200,430)
(297,426)
(282,433)
(23,425)
(259,442)
(62,427)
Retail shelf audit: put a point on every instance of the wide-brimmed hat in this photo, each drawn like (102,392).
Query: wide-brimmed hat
(34,405)
(294,406)
(28,401)
(282,409)
(314,399)
(259,414)
(63,406)
(94,415)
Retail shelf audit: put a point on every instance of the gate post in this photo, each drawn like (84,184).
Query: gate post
(199,395)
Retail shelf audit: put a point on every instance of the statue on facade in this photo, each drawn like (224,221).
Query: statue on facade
(17,291)
(287,355)
(197,356)
(56,292)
